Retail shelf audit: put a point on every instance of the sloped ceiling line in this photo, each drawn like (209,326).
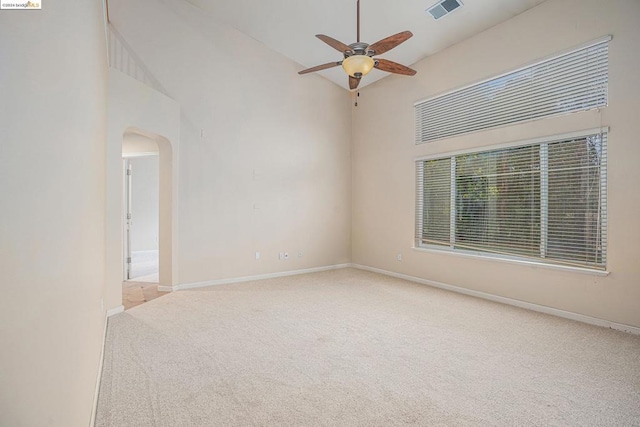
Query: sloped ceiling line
(288,27)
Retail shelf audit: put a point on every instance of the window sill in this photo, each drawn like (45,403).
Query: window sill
(510,260)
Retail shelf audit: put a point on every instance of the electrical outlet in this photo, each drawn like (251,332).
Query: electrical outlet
(281,255)
(399,257)
(257,255)
(286,255)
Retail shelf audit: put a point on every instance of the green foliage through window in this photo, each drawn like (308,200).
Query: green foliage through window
(545,201)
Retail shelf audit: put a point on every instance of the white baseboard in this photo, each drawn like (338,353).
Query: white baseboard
(94,409)
(517,303)
(115,311)
(250,278)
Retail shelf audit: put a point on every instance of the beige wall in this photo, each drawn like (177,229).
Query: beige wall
(264,153)
(384,153)
(53,85)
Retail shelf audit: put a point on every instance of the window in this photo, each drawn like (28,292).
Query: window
(544,201)
(574,81)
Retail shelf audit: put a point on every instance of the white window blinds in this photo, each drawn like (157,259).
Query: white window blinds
(575,81)
(544,201)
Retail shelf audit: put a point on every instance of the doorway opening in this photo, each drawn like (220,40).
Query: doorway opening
(141,233)
(141,219)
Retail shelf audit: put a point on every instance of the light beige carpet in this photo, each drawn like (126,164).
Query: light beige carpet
(352,348)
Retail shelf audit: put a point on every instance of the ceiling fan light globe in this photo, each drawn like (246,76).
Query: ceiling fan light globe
(358,64)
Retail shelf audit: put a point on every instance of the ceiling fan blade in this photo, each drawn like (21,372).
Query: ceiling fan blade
(390,42)
(339,46)
(320,67)
(353,82)
(393,67)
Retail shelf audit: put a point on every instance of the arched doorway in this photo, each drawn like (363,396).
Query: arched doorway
(136,109)
(140,156)
(147,224)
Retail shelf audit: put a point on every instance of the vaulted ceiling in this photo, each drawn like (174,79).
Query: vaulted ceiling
(289,26)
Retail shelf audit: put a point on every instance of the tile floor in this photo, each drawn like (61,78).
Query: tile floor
(136,293)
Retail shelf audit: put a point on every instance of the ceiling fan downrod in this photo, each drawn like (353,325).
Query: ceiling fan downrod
(358,23)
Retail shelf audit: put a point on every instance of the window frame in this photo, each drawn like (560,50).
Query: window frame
(450,250)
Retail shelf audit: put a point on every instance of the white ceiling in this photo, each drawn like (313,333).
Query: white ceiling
(289,26)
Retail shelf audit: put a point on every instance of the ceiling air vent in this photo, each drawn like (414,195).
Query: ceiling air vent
(443,8)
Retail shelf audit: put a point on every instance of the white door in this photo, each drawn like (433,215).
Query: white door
(141,219)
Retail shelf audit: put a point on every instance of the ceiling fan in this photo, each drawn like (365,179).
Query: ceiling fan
(358,57)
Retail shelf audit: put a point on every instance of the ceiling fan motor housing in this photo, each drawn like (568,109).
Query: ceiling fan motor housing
(359,49)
